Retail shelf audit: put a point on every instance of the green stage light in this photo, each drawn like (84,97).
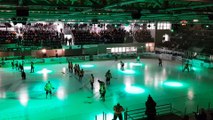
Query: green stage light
(135,64)
(109,116)
(27,68)
(173,84)
(44,71)
(127,71)
(134,90)
(23,98)
(87,66)
(196,69)
(61,93)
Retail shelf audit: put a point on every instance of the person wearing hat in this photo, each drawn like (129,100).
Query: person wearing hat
(118,109)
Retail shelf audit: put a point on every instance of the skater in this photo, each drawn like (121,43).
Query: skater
(138,59)
(122,65)
(32,68)
(16,65)
(108,76)
(160,62)
(102,90)
(48,88)
(70,67)
(150,108)
(92,81)
(116,57)
(81,74)
(118,109)
(23,75)
(186,67)
(21,67)
(12,64)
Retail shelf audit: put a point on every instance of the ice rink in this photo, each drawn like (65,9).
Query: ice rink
(75,100)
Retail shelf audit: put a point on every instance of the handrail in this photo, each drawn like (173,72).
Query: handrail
(140,112)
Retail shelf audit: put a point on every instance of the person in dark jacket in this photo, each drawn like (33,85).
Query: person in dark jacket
(150,108)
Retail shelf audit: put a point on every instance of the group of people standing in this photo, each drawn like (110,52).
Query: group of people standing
(76,69)
(20,66)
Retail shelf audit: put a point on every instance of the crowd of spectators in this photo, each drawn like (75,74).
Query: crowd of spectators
(41,35)
(143,36)
(189,39)
(104,36)
(46,35)
(7,37)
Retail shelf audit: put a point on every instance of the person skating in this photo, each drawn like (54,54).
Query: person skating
(48,88)
(122,65)
(108,76)
(102,90)
(12,64)
(32,67)
(118,109)
(92,79)
(138,59)
(81,74)
(186,67)
(160,62)
(23,75)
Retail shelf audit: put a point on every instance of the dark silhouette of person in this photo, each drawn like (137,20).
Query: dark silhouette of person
(211,114)
(185,117)
(102,90)
(108,76)
(150,108)
(201,115)
(186,67)
(23,75)
(92,79)
(160,62)
(32,67)
(118,109)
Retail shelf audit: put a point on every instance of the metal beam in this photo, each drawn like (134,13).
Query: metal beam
(188,7)
(123,3)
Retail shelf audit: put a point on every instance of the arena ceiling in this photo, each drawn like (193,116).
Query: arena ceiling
(109,10)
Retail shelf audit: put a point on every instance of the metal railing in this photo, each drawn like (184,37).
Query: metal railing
(139,113)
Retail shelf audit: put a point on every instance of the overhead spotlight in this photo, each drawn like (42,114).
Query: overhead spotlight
(195,20)
(149,25)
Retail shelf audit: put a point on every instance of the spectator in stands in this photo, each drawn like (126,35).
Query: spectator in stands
(150,108)
(118,109)
(201,115)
